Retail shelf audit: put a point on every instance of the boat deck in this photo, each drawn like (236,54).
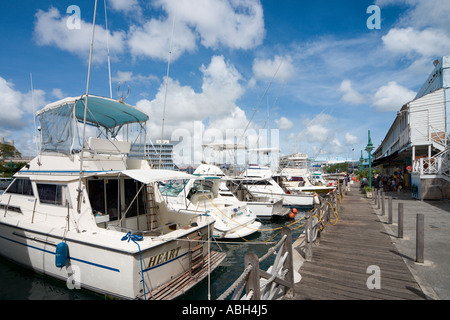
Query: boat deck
(187,280)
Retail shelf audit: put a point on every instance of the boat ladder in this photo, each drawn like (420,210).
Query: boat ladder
(195,255)
(151,208)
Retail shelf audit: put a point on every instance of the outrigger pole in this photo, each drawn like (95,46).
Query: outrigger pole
(79,190)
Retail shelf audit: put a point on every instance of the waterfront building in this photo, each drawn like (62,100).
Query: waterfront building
(416,144)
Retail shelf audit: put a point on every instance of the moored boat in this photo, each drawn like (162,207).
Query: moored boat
(88,214)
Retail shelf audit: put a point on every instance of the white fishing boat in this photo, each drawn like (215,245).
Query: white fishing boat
(259,180)
(88,214)
(232,189)
(300,180)
(234,220)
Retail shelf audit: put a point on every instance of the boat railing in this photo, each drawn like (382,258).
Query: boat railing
(147,233)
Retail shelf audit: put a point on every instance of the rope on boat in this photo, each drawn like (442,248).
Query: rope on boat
(135,238)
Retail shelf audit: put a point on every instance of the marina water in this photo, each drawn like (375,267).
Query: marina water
(18,283)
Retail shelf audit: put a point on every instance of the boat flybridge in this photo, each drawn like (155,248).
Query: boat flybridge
(90,214)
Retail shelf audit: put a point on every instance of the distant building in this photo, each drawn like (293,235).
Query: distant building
(160,155)
(416,144)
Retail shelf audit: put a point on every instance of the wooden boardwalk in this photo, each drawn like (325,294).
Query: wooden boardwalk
(339,266)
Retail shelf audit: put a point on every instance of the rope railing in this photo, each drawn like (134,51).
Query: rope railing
(262,285)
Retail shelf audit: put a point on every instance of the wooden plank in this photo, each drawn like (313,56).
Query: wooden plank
(338,270)
(186,281)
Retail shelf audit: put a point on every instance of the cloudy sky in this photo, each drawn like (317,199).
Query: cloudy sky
(316,71)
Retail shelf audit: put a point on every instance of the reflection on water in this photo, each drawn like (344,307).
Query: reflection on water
(18,283)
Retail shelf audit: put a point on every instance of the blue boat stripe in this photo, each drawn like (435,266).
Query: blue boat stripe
(71,258)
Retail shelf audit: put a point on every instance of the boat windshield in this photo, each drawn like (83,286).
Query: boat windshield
(172,188)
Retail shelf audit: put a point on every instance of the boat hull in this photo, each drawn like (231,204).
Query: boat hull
(102,269)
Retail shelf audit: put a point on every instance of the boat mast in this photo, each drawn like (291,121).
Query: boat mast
(79,190)
(107,48)
(165,94)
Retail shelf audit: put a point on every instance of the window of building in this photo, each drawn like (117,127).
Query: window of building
(21,186)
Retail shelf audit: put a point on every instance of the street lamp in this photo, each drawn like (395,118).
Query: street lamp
(369,149)
(361,163)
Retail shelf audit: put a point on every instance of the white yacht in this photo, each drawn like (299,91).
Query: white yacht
(298,180)
(234,220)
(88,214)
(233,189)
(259,181)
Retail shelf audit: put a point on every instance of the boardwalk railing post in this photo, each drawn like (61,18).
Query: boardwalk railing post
(308,237)
(419,237)
(389,210)
(289,263)
(400,220)
(253,277)
(382,204)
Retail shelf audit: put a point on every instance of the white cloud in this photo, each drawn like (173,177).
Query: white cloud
(215,23)
(153,40)
(429,42)
(15,106)
(351,96)
(216,102)
(280,67)
(128,76)
(351,139)
(422,13)
(56,92)
(231,23)
(127,6)
(284,123)
(51,29)
(392,97)
(317,129)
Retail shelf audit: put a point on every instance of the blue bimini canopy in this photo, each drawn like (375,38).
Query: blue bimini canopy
(105,112)
(59,120)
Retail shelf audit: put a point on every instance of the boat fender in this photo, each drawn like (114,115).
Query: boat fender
(61,255)
(316,199)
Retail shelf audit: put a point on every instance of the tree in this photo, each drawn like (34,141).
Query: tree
(6,167)
(8,151)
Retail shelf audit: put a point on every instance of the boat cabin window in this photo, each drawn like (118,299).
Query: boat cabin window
(107,195)
(21,186)
(256,182)
(52,193)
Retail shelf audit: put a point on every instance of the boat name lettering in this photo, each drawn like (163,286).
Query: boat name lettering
(163,257)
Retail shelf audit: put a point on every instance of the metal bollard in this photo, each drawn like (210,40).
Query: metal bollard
(420,237)
(400,220)
(382,204)
(379,199)
(389,210)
